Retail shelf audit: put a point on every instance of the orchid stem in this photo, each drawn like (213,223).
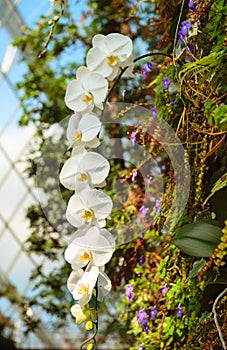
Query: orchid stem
(148,54)
(92,337)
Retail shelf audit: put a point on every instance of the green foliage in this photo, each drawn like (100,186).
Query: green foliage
(219,184)
(197,239)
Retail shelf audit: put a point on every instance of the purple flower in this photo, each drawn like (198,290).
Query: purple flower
(129,292)
(145,68)
(143,211)
(141,260)
(164,290)
(185,26)
(153,112)
(140,347)
(133,137)
(181,37)
(192,5)
(165,82)
(149,65)
(147,181)
(179,311)
(123,94)
(146,327)
(153,313)
(144,72)
(134,174)
(142,317)
(158,207)
(172,102)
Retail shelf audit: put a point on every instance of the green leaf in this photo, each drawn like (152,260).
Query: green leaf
(219,184)
(204,316)
(197,267)
(220,117)
(197,239)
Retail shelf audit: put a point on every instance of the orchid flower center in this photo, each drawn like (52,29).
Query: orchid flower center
(85,256)
(88,215)
(112,60)
(83,177)
(88,98)
(83,288)
(77,136)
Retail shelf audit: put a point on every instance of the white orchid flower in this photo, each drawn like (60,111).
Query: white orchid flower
(91,168)
(109,54)
(84,313)
(90,206)
(78,312)
(89,89)
(82,284)
(92,245)
(83,130)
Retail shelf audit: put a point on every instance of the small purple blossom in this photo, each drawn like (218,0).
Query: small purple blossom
(123,94)
(143,211)
(140,347)
(149,65)
(164,290)
(145,69)
(153,313)
(144,72)
(181,37)
(192,5)
(146,327)
(158,207)
(165,82)
(142,317)
(147,181)
(185,26)
(134,174)
(153,112)
(172,102)
(179,311)
(141,260)
(133,137)
(129,292)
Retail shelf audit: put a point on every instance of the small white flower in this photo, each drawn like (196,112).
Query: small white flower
(91,206)
(93,245)
(90,168)
(83,130)
(79,313)
(109,54)
(82,283)
(89,89)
